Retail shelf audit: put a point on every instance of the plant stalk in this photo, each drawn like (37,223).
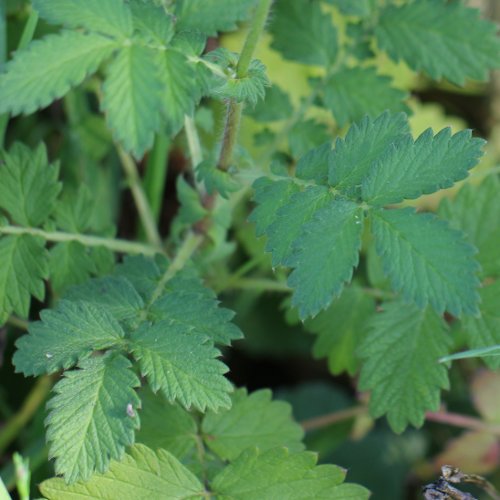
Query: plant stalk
(322,421)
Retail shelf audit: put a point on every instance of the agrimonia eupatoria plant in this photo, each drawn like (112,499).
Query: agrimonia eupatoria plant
(143,406)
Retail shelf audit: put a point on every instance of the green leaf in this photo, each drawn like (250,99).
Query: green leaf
(313,166)
(363,145)
(275,106)
(253,420)
(302,32)
(211,16)
(132,98)
(70,263)
(65,335)
(28,185)
(341,328)
(111,17)
(182,365)
(191,209)
(48,68)
(353,93)
(324,256)
(484,331)
(73,212)
(279,474)
(92,416)
(141,474)
(216,180)
(289,220)
(447,40)
(152,22)
(306,135)
(24,267)
(167,426)
(115,294)
(475,212)
(360,8)
(422,256)
(400,363)
(410,168)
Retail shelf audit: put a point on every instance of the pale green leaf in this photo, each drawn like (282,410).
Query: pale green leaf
(28,185)
(275,106)
(324,256)
(302,32)
(279,474)
(352,93)
(401,367)
(182,365)
(48,68)
(410,168)
(132,100)
(305,135)
(111,17)
(92,416)
(446,40)
(216,180)
(475,212)
(427,261)
(252,420)
(141,475)
(191,209)
(364,144)
(65,335)
(24,267)
(73,212)
(152,22)
(341,328)
(211,16)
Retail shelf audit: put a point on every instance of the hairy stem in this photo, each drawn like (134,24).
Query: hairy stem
(31,404)
(315,423)
(463,421)
(116,245)
(233,118)
(141,202)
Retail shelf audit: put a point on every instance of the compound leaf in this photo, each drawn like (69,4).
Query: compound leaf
(132,98)
(24,267)
(253,420)
(141,474)
(111,17)
(92,416)
(400,363)
(302,32)
(355,92)
(324,256)
(49,67)
(277,473)
(69,333)
(442,39)
(181,364)
(422,256)
(28,185)
(410,168)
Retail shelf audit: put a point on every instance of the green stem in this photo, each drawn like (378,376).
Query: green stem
(122,246)
(258,284)
(141,202)
(233,118)
(22,324)
(193,141)
(3,32)
(31,404)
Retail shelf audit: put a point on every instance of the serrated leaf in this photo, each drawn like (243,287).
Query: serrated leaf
(111,17)
(28,184)
(475,212)
(216,180)
(191,209)
(341,328)
(302,32)
(24,267)
(113,293)
(141,474)
(289,220)
(70,263)
(400,363)
(211,16)
(132,98)
(324,256)
(65,335)
(92,416)
(275,106)
(447,40)
(305,135)
(353,93)
(253,420)
(181,364)
(313,166)
(427,261)
(270,196)
(410,168)
(73,211)
(279,474)
(49,67)
(152,22)
(365,142)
